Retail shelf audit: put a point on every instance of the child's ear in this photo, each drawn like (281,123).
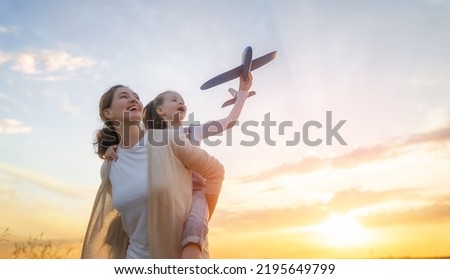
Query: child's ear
(160,111)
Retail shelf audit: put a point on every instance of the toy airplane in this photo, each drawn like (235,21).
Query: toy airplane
(247,65)
(234,94)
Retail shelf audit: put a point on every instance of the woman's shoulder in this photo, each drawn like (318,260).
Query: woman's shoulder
(162,137)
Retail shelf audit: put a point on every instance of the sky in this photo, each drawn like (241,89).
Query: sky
(374,74)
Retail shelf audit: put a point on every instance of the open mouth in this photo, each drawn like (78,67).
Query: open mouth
(133,108)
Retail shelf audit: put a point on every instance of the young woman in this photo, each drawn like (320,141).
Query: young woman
(168,110)
(145,197)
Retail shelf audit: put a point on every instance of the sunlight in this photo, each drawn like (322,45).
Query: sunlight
(342,231)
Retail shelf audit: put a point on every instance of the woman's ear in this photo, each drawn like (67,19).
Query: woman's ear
(107,114)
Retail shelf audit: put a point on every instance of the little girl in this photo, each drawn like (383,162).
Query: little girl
(167,111)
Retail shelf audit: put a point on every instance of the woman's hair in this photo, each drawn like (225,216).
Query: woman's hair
(152,120)
(107,135)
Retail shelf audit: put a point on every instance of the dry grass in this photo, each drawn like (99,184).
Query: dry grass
(41,248)
(4,236)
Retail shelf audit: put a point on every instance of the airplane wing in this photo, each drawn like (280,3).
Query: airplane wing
(236,72)
(263,60)
(222,78)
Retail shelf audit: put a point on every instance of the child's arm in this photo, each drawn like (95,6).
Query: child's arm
(211,128)
(196,226)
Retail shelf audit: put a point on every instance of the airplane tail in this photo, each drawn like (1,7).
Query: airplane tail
(234,99)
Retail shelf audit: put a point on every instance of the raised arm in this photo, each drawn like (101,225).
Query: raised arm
(215,127)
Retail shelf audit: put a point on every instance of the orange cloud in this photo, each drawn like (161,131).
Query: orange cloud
(346,200)
(440,135)
(45,182)
(353,158)
(439,212)
(341,202)
(269,219)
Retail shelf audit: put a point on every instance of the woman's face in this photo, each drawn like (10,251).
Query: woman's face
(125,106)
(173,107)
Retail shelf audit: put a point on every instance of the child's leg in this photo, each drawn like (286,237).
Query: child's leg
(196,226)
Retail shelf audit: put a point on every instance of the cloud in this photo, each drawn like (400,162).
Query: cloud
(3,29)
(4,57)
(439,135)
(68,107)
(12,126)
(362,155)
(25,63)
(6,103)
(346,200)
(43,181)
(306,165)
(29,207)
(6,98)
(54,78)
(314,163)
(41,215)
(341,202)
(9,30)
(46,62)
(63,61)
(62,101)
(435,213)
(270,218)
(353,158)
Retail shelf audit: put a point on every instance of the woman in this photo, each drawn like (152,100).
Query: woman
(144,198)
(168,110)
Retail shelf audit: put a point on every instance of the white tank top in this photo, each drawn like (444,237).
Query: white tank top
(128,178)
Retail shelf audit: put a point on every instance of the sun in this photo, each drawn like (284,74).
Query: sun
(342,231)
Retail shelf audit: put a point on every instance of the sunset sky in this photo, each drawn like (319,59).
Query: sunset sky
(380,68)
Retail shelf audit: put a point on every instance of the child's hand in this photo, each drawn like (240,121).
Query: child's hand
(111,154)
(191,251)
(244,85)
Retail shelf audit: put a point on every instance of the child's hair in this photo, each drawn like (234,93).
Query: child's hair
(151,118)
(106,136)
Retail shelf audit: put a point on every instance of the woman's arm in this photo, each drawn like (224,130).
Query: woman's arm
(198,160)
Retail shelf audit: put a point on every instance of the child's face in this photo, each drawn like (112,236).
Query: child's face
(173,107)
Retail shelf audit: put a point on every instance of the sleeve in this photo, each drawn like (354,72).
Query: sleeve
(196,159)
(196,226)
(215,127)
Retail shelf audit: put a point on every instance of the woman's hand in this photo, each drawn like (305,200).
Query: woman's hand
(111,154)
(198,182)
(244,85)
